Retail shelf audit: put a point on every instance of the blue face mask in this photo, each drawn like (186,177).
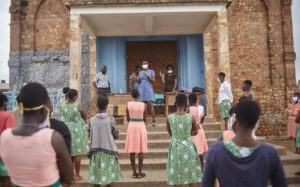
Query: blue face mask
(244,88)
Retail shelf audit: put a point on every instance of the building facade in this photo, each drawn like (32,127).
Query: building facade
(64,42)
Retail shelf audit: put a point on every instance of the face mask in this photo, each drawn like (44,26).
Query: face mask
(244,88)
(145,66)
(22,109)
(44,124)
(231,121)
(219,80)
(295,99)
(170,71)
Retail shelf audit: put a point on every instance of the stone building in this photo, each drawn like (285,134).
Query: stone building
(64,42)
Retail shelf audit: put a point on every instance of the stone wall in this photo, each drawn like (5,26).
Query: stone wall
(50,68)
(118,2)
(85,71)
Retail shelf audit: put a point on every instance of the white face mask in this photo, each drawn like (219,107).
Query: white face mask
(170,71)
(44,124)
(295,99)
(219,80)
(145,66)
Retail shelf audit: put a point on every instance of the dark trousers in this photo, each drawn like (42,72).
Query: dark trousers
(103,91)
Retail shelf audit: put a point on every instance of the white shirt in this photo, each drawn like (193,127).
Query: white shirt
(225,92)
(101,80)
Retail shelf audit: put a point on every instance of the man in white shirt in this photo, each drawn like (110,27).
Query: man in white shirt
(101,82)
(225,98)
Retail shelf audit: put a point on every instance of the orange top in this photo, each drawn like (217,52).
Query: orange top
(30,160)
(195,112)
(228,135)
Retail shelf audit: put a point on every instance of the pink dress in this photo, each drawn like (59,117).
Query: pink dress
(30,160)
(200,138)
(136,137)
(292,126)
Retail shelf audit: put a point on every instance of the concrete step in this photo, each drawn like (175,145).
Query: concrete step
(155,178)
(165,135)
(158,163)
(159,143)
(148,164)
(290,159)
(151,154)
(161,127)
(158,178)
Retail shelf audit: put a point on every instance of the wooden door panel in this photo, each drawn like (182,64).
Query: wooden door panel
(158,53)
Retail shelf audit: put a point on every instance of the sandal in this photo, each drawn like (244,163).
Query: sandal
(134,175)
(141,175)
(77,178)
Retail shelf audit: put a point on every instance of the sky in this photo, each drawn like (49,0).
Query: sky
(4,37)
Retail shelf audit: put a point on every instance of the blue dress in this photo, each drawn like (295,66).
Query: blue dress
(146,88)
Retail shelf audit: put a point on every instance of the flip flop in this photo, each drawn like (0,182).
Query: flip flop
(141,175)
(77,178)
(135,175)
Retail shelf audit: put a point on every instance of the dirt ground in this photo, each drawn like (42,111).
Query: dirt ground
(289,144)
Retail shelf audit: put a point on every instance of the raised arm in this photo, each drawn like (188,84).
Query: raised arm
(64,162)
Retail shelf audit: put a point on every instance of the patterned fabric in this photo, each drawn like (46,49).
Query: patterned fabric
(225,106)
(72,118)
(183,166)
(104,169)
(3,170)
(298,137)
(237,151)
(101,80)
(170,82)
(146,88)
(135,85)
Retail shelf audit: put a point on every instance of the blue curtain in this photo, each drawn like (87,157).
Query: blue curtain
(111,51)
(191,68)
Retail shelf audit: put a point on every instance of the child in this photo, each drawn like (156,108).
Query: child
(104,167)
(292,112)
(198,113)
(7,120)
(136,137)
(183,166)
(243,161)
(33,156)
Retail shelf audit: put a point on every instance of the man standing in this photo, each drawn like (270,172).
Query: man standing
(247,89)
(101,82)
(225,98)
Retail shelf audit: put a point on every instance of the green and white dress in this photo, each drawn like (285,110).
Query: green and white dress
(72,118)
(3,170)
(183,165)
(104,168)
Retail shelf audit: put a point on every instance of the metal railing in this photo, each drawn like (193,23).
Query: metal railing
(56,97)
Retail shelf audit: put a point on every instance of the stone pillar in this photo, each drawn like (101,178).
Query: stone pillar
(75,53)
(93,71)
(209,73)
(223,48)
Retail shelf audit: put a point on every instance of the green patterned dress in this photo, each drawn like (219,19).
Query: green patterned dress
(72,118)
(183,165)
(104,169)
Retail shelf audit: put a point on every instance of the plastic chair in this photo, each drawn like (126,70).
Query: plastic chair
(158,97)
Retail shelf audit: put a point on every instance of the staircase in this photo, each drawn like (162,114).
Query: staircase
(156,158)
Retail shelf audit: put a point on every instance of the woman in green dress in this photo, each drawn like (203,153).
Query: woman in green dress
(74,115)
(183,166)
